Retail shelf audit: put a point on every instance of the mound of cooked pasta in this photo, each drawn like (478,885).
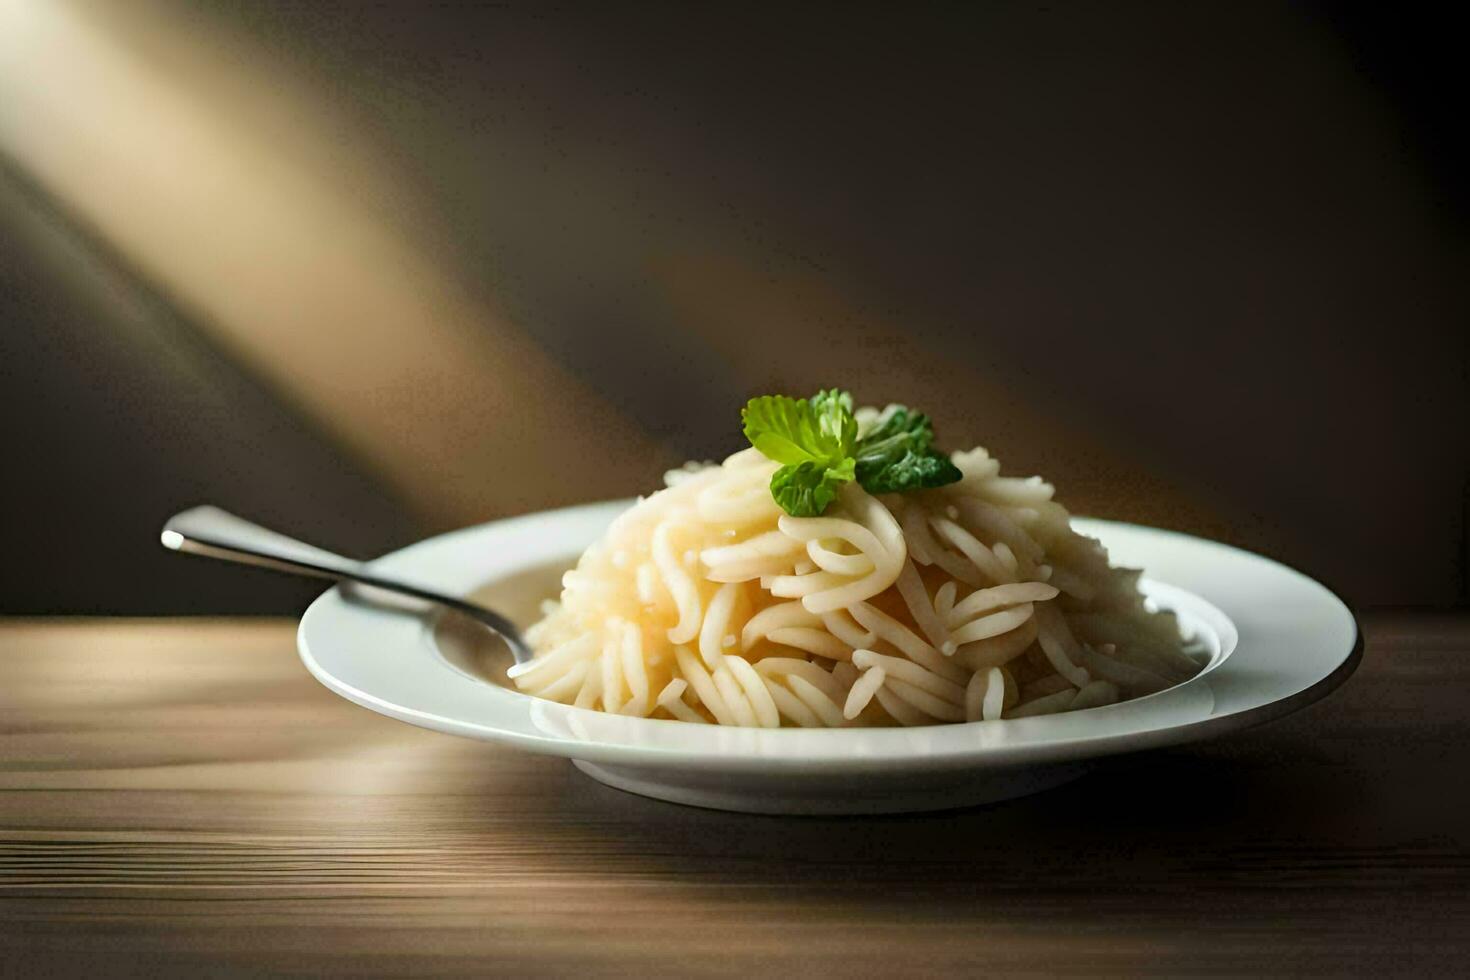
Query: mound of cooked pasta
(973,600)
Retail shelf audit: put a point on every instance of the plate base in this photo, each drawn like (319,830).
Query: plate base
(814,796)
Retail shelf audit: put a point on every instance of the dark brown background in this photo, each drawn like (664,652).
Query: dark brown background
(367,271)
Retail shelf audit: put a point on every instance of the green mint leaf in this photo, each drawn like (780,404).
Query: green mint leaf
(795,430)
(806,489)
(899,423)
(911,471)
(898,434)
(835,421)
(899,455)
(816,441)
(783,429)
(836,396)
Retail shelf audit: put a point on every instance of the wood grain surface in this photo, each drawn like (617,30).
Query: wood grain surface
(181,798)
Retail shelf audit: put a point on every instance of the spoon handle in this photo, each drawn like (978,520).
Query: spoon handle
(219,534)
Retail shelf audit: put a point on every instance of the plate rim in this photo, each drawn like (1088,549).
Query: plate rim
(1062,748)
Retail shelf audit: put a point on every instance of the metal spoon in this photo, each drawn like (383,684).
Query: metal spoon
(219,534)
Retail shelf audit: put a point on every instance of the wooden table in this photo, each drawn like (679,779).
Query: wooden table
(180,797)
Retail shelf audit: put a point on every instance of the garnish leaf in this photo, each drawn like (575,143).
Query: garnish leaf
(793,430)
(817,442)
(806,489)
(912,471)
(899,455)
(835,421)
(897,433)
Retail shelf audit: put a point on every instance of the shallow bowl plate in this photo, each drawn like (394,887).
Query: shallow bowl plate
(1276,641)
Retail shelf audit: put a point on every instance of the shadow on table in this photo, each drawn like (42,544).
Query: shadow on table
(1156,822)
(1157,811)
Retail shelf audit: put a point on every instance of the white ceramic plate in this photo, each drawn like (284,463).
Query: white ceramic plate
(1277,639)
